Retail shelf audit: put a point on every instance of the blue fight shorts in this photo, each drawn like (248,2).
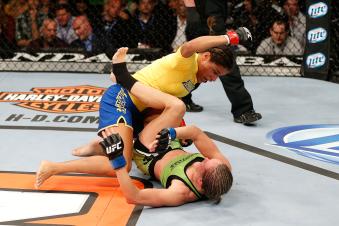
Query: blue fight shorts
(116,107)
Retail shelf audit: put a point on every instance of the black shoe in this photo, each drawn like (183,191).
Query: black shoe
(192,107)
(248,117)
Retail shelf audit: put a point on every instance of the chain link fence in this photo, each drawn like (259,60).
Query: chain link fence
(47,36)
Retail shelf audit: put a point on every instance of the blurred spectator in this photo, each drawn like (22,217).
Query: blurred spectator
(88,41)
(269,11)
(244,15)
(6,48)
(82,8)
(124,12)
(46,8)
(65,2)
(276,5)
(131,7)
(172,4)
(118,31)
(180,12)
(302,6)
(27,24)
(14,8)
(280,43)
(150,19)
(7,24)
(64,20)
(296,21)
(257,16)
(48,39)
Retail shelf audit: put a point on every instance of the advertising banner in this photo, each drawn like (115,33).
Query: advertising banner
(316,56)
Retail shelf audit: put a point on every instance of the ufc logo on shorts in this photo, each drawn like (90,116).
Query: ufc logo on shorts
(113,147)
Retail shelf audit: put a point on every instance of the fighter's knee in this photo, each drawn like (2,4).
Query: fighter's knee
(178,107)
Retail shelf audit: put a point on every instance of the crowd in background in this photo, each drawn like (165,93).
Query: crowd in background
(94,26)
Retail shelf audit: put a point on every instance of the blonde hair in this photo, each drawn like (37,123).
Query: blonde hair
(216,182)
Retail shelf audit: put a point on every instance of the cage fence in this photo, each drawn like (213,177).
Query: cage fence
(277,48)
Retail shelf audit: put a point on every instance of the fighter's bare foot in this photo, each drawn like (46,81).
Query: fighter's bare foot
(120,55)
(83,151)
(45,171)
(92,148)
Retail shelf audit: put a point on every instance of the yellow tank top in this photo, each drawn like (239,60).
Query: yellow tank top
(172,74)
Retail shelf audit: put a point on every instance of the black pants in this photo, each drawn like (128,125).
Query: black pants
(236,92)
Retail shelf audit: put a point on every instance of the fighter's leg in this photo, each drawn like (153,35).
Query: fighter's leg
(115,116)
(120,55)
(171,116)
(150,96)
(93,147)
(89,149)
(98,165)
(173,108)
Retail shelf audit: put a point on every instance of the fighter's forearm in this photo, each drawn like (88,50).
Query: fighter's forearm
(203,143)
(203,43)
(187,132)
(127,186)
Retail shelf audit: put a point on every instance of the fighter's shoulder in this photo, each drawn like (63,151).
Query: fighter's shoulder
(180,188)
(178,58)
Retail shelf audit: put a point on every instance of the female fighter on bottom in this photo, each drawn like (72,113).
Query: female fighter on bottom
(186,177)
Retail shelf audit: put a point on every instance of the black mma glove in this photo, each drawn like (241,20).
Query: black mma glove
(186,143)
(113,146)
(165,138)
(240,36)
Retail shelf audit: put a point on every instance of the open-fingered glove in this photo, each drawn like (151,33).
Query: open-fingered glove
(113,146)
(165,136)
(240,36)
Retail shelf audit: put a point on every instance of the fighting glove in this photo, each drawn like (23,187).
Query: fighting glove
(165,136)
(187,142)
(240,36)
(113,146)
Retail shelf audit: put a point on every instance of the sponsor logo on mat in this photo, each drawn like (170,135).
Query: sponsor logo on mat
(68,99)
(66,200)
(319,142)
